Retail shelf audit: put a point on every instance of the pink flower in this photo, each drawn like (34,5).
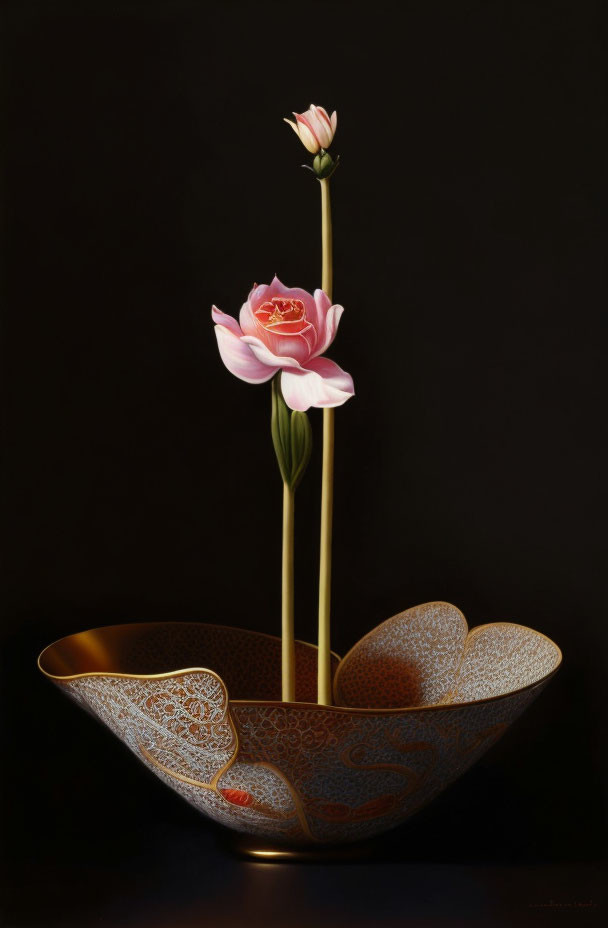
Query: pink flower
(285,329)
(314,128)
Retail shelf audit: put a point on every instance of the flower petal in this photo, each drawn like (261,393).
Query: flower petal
(323,112)
(265,356)
(298,346)
(334,121)
(257,294)
(322,301)
(317,315)
(332,374)
(229,322)
(247,319)
(239,358)
(265,292)
(320,383)
(321,124)
(277,288)
(291,123)
(330,329)
(307,135)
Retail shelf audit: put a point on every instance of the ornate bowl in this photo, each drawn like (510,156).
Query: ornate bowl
(417,701)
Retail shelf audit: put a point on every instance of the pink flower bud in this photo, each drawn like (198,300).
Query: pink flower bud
(314,128)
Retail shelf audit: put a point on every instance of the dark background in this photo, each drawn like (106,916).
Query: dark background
(147,174)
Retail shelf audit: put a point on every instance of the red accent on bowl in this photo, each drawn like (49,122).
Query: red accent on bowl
(238,797)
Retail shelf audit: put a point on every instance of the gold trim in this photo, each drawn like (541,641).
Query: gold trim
(214,788)
(129,676)
(354,710)
(470,633)
(294,795)
(153,676)
(357,644)
(300,705)
(171,773)
(414,779)
(478,628)
(212,785)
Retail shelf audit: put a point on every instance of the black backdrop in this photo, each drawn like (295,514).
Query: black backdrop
(147,174)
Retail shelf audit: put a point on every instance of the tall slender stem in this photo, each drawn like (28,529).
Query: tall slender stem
(327,268)
(327,499)
(288,654)
(324,694)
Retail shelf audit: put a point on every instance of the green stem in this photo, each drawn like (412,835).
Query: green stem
(324,694)
(288,654)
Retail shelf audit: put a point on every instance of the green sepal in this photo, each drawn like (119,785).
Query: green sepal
(280,430)
(291,437)
(324,165)
(301,446)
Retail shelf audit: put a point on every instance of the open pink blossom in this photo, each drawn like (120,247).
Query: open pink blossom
(315,128)
(285,329)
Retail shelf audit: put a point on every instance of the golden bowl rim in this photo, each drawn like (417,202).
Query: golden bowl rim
(352,710)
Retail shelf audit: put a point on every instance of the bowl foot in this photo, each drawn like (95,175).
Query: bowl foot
(249,847)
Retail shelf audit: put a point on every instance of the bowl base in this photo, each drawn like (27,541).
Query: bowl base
(249,847)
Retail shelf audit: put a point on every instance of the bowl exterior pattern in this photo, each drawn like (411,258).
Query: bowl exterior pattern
(301,773)
(294,773)
(355,775)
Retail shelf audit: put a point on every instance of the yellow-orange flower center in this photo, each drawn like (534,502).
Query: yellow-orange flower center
(279,309)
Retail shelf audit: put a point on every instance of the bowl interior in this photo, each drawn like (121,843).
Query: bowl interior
(248,662)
